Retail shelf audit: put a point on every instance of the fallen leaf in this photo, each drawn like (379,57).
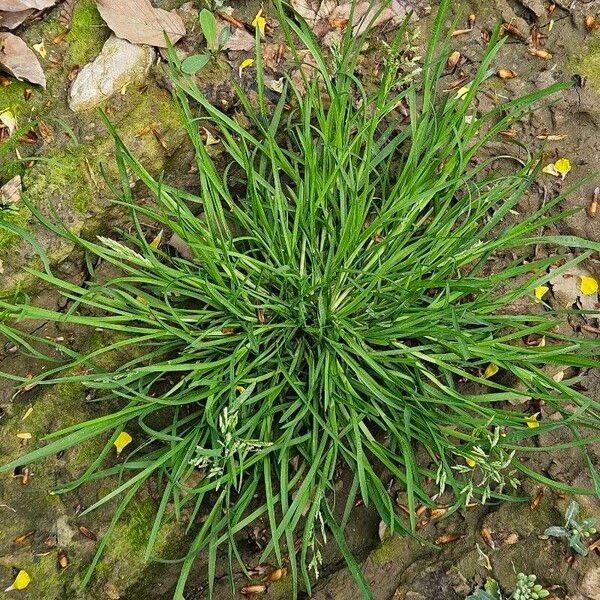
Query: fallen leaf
(277,574)
(24,436)
(90,535)
(138,22)
(537,498)
(452,60)
(592,209)
(21,581)
(591,23)
(210,140)
(588,285)
(253,590)
(23,537)
(19,60)
(541,53)
(486,534)
(123,439)
(11,20)
(46,132)
(245,64)
(448,537)
(550,137)
(540,291)
(10,192)
(259,22)
(17,5)
(506,73)
(62,560)
(490,370)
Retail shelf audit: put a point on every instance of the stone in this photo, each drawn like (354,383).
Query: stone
(118,65)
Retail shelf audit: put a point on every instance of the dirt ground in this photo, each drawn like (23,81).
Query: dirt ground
(497,540)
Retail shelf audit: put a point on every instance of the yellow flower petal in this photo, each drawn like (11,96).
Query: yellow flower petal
(462,92)
(470,462)
(588,285)
(540,291)
(532,421)
(21,581)
(155,243)
(40,49)
(245,64)
(491,370)
(240,388)
(259,22)
(551,170)
(563,166)
(123,439)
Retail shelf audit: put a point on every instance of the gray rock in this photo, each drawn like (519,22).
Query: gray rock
(118,65)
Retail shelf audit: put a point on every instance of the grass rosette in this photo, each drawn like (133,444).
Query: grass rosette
(330,299)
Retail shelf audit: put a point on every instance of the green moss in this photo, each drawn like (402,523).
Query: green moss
(87,34)
(588,63)
(16,217)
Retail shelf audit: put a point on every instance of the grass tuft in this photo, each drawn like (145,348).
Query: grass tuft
(332,304)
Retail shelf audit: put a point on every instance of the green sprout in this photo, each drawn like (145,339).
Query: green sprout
(215,40)
(527,589)
(574,531)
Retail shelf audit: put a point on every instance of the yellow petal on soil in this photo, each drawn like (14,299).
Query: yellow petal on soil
(532,421)
(8,118)
(588,285)
(462,92)
(40,49)
(24,436)
(562,166)
(551,25)
(155,243)
(491,370)
(540,291)
(21,581)
(245,64)
(259,22)
(27,413)
(123,439)
(240,388)
(470,462)
(551,170)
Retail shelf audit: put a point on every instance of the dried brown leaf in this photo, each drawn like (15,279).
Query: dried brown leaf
(535,501)
(46,132)
(19,5)
(544,54)
(253,590)
(10,192)
(506,73)
(592,210)
(447,538)
(138,22)
(87,533)
(591,23)
(452,60)
(486,535)
(22,538)
(19,60)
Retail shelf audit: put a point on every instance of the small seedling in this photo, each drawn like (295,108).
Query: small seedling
(215,40)
(527,589)
(576,532)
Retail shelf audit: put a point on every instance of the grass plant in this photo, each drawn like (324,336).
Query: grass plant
(333,304)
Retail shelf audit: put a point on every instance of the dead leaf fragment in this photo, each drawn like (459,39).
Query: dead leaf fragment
(87,533)
(19,60)
(506,73)
(18,5)
(486,535)
(544,54)
(253,590)
(592,210)
(138,22)
(46,132)
(10,192)
(447,538)
(452,60)
(591,24)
